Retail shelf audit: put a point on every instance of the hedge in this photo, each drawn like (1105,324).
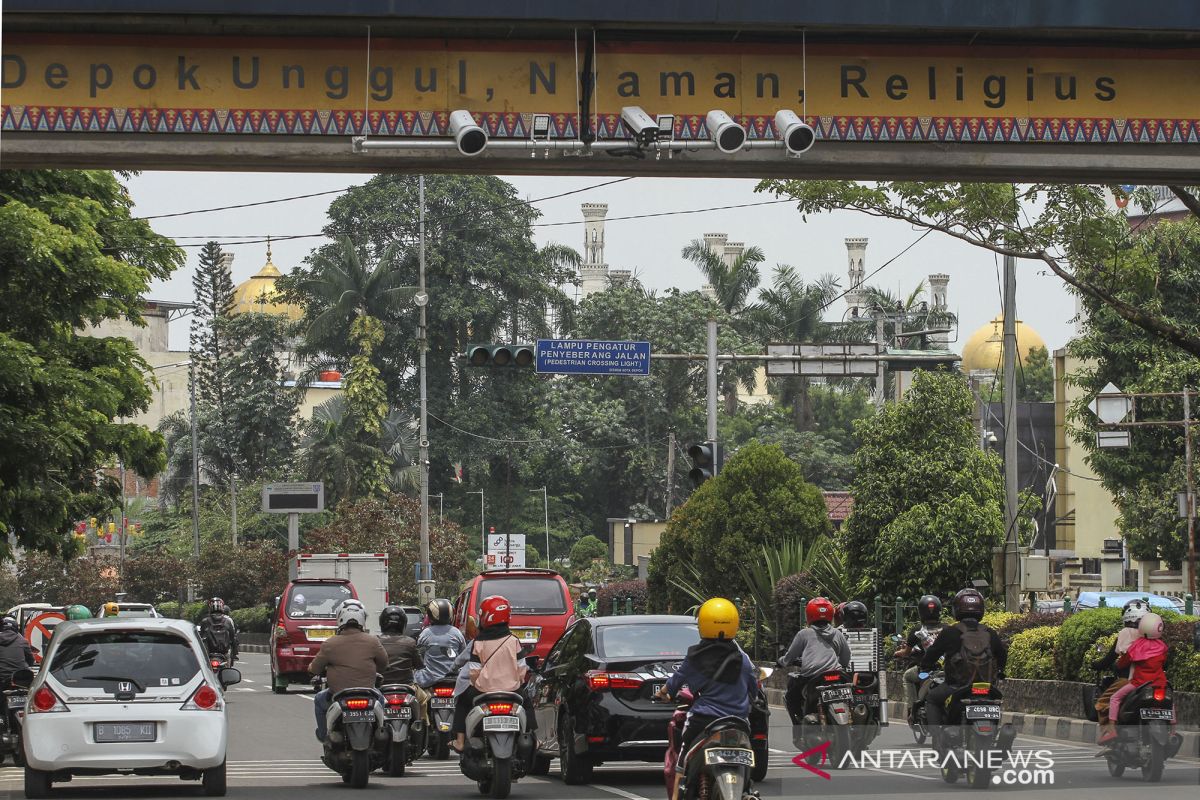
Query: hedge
(1031,653)
(620,590)
(1079,632)
(252,620)
(1025,622)
(997,619)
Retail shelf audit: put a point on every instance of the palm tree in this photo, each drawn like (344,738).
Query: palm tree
(791,310)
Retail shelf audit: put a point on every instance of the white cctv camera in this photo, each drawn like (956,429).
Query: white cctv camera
(640,125)
(728,135)
(470,138)
(795,134)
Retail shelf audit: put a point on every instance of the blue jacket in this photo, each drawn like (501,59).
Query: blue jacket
(715,697)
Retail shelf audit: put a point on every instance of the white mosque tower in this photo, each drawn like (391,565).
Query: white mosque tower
(593,272)
(856,254)
(939,284)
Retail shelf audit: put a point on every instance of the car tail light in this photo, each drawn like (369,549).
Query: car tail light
(281,636)
(443,691)
(357,703)
(205,698)
(45,701)
(1160,694)
(500,708)
(396,699)
(599,681)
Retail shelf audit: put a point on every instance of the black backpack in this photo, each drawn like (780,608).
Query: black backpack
(973,663)
(217,635)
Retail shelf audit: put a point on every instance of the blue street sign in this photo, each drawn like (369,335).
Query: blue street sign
(592,357)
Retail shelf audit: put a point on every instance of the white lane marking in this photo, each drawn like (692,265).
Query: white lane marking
(247,680)
(618,792)
(307,697)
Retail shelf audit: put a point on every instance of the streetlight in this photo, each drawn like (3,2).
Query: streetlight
(425,586)
(482,530)
(546,510)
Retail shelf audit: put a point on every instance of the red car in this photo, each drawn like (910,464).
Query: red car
(540,600)
(305,617)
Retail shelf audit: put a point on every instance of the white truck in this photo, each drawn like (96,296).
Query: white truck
(368,572)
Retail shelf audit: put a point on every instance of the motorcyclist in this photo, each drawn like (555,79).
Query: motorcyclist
(350,659)
(401,650)
(968,608)
(1131,615)
(817,649)
(15,652)
(218,631)
(920,638)
(439,644)
(581,605)
(593,603)
(854,616)
(716,670)
(495,665)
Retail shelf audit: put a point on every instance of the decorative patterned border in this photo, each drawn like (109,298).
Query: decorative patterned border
(994,130)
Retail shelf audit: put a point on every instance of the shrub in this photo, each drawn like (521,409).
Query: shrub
(168,609)
(1097,650)
(620,590)
(1079,632)
(789,610)
(996,620)
(1031,654)
(1025,622)
(252,620)
(1184,671)
(193,612)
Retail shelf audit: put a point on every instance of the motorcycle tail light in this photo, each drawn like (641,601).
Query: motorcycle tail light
(1160,694)
(396,699)
(443,691)
(500,708)
(215,663)
(832,676)
(205,698)
(980,691)
(357,703)
(760,737)
(44,701)
(596,739)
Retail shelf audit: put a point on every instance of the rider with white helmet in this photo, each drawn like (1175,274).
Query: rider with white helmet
(1131,615)
(350,659)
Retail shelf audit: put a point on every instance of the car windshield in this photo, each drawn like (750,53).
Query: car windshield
(651,640)
(313,600)
(105,658)
(526,595)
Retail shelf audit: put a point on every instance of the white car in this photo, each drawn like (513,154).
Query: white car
(128,696)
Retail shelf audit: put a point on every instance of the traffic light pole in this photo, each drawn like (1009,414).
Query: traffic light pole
(425,585)
(711,357)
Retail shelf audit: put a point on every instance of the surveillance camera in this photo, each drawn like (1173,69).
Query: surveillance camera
(796,135)
(640,125)
(470,138)
(728,135)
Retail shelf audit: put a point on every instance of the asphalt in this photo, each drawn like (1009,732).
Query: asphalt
(273,754)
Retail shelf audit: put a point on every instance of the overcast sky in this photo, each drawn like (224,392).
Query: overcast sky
(649,246)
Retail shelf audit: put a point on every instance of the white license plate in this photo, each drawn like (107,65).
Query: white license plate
(504,723)
(1157,713)
(125,731)
(400,712)
(357,715)
(983,712)
(17,700)
(726,755)
(830,695)
(441,702)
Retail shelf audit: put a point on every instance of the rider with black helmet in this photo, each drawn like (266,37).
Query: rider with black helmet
(854,615)
(920,639)
(968,610)
(401,651)
(439,644)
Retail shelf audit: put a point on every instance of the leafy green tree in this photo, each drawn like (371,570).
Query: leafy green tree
(926,499)
(73,257)
(759,499)
(1035,380)
(213,287)
(587,550)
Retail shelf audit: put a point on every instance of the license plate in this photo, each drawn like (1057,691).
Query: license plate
(505,723)
(729,756)
(830,695)
(527,635)
(357,715)
(1157,713)
(441,702)
(401,712)
(319,634)
(125,731)
(15,700)
(983,712)
(654,688)
(873,700)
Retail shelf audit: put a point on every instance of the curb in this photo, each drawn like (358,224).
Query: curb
(261,649)
(1064,729)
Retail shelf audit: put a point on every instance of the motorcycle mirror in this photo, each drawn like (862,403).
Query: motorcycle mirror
(22,678)
(228,676)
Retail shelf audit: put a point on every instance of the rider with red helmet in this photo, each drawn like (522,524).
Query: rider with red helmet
(495,665)
(817,649)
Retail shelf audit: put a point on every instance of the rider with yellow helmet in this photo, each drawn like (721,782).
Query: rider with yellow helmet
(719,674)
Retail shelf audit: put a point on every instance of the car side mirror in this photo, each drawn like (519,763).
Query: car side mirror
(22,678)
(534,662)
(228,676)
(275,604)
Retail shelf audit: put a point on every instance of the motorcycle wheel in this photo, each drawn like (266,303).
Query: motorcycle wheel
(501,778)
(759,772)
(439,748)
(1153,771)
(978,777)
(919,733)
(360,768)
(839,745)
(398,759)
(539,764)
(1115,768)
(949,772)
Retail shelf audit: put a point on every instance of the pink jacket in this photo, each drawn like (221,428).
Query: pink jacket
(1148,657)
(500,670)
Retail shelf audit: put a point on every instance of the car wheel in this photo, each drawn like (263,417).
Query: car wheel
(277,686)
(214,781)
(576,769)
(37,783)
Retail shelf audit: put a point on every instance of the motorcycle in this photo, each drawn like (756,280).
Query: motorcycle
(918,721)
(973,732)
(499,745)
(719,764)
(218,661)
(14,715)
(760,726)
(831,723)
(408,732)
(1145,738)
(441,715)
(358,737)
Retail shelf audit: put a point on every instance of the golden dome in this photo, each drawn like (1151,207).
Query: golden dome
(984,351)
(258,295)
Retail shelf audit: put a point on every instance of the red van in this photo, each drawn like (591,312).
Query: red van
(540,600)
(305,617)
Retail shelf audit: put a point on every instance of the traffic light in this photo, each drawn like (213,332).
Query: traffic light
(704,462)
(500,355)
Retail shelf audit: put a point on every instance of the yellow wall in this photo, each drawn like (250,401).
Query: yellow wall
(645,538)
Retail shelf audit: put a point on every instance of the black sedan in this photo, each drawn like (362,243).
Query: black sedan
(592,694)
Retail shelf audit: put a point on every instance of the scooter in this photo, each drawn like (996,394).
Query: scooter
(865,719)
(918,721)
(408,732)
(441,715)
(1145,738)
(14,715)
(499,745)
(760,726)
(973,734)
(831,722)
(719,764)
(358,737)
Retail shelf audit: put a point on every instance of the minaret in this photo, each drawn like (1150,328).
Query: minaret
(715,242)
(733,251)
(593,272)
(856,253)
(939,283)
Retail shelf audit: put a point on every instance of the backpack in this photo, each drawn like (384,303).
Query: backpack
(217,635)
(974,662)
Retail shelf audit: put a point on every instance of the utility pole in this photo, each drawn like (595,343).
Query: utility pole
(670,472)
(881,381)
(233,507)
(124,527)
(1012,583)
(546,511)
(712,393)
(1190,489)
(482,529)
(425,586)
(195,465)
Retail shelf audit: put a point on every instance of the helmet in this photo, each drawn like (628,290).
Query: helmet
(111,609)
(818,610)
(8,624)
(717,619)
(439,611)
(78,612)
(391,620)
(494,611)
(929,608)
(968,604)
(837,613)
(348,603)
(1151,625)
(352,615)
(216,606)
(592,594)
(297,599)
(1133,611)
(854,614)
